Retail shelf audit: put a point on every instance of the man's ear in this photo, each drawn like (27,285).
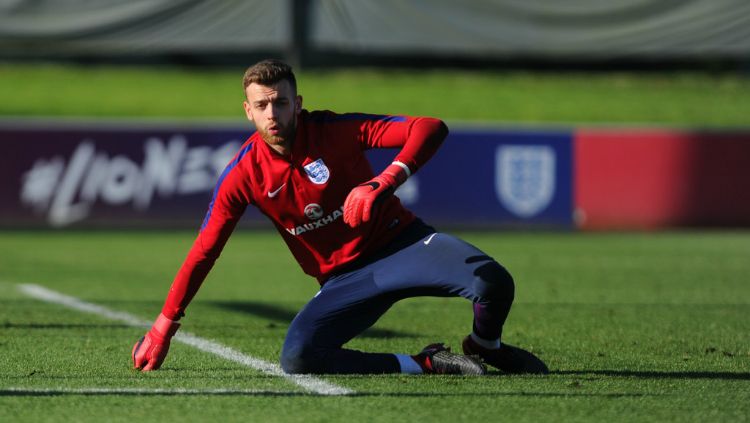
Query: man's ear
(246,106)
(298,105)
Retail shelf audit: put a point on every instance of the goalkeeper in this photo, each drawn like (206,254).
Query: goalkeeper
(308,173)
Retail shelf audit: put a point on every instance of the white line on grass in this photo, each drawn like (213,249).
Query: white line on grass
(309,383)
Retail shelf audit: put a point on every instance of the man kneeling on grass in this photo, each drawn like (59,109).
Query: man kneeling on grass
(308,173)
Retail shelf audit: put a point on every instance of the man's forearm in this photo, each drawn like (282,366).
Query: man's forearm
(198,263)
(423,140)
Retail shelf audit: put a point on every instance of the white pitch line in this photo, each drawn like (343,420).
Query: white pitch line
(142,391)
(307,382)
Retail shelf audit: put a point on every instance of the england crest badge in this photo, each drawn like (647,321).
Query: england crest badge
(525,178)
(318,172)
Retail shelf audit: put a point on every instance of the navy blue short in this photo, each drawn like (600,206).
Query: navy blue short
(420,262)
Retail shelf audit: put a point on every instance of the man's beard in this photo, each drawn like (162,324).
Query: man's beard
(284,137)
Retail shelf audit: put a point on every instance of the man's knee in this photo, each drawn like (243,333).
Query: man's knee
(299,359)
(493,282)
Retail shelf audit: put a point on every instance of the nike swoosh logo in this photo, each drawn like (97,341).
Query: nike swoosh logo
(427,241)
(272,194)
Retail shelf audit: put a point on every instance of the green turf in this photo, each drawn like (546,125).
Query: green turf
(677,98)
(634,326)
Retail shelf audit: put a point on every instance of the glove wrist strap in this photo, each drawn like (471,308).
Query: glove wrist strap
(165,326)
(398,171)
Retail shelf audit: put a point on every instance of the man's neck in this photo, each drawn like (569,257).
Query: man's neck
(284,149)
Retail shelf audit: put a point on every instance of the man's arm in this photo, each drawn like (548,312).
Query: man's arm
(226,208)
(419,139)
(199,261)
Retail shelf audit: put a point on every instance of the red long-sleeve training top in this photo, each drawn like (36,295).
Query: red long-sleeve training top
(303,193)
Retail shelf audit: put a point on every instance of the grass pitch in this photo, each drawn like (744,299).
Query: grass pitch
(690,99)
(634,326)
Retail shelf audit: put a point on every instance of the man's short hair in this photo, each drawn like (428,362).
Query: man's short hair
(269,72)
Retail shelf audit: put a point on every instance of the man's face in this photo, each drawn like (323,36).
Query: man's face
(274,109)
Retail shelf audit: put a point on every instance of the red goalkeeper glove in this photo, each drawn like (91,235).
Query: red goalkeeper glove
(149,352)
(361,200)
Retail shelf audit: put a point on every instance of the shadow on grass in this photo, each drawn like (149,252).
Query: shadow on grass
(55,392)
(285,316)
(656,374)
(8,325)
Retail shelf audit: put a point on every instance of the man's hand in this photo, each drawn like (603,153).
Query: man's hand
(149,352)
(361,200)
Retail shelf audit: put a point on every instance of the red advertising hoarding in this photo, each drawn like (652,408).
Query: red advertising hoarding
(652,178)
